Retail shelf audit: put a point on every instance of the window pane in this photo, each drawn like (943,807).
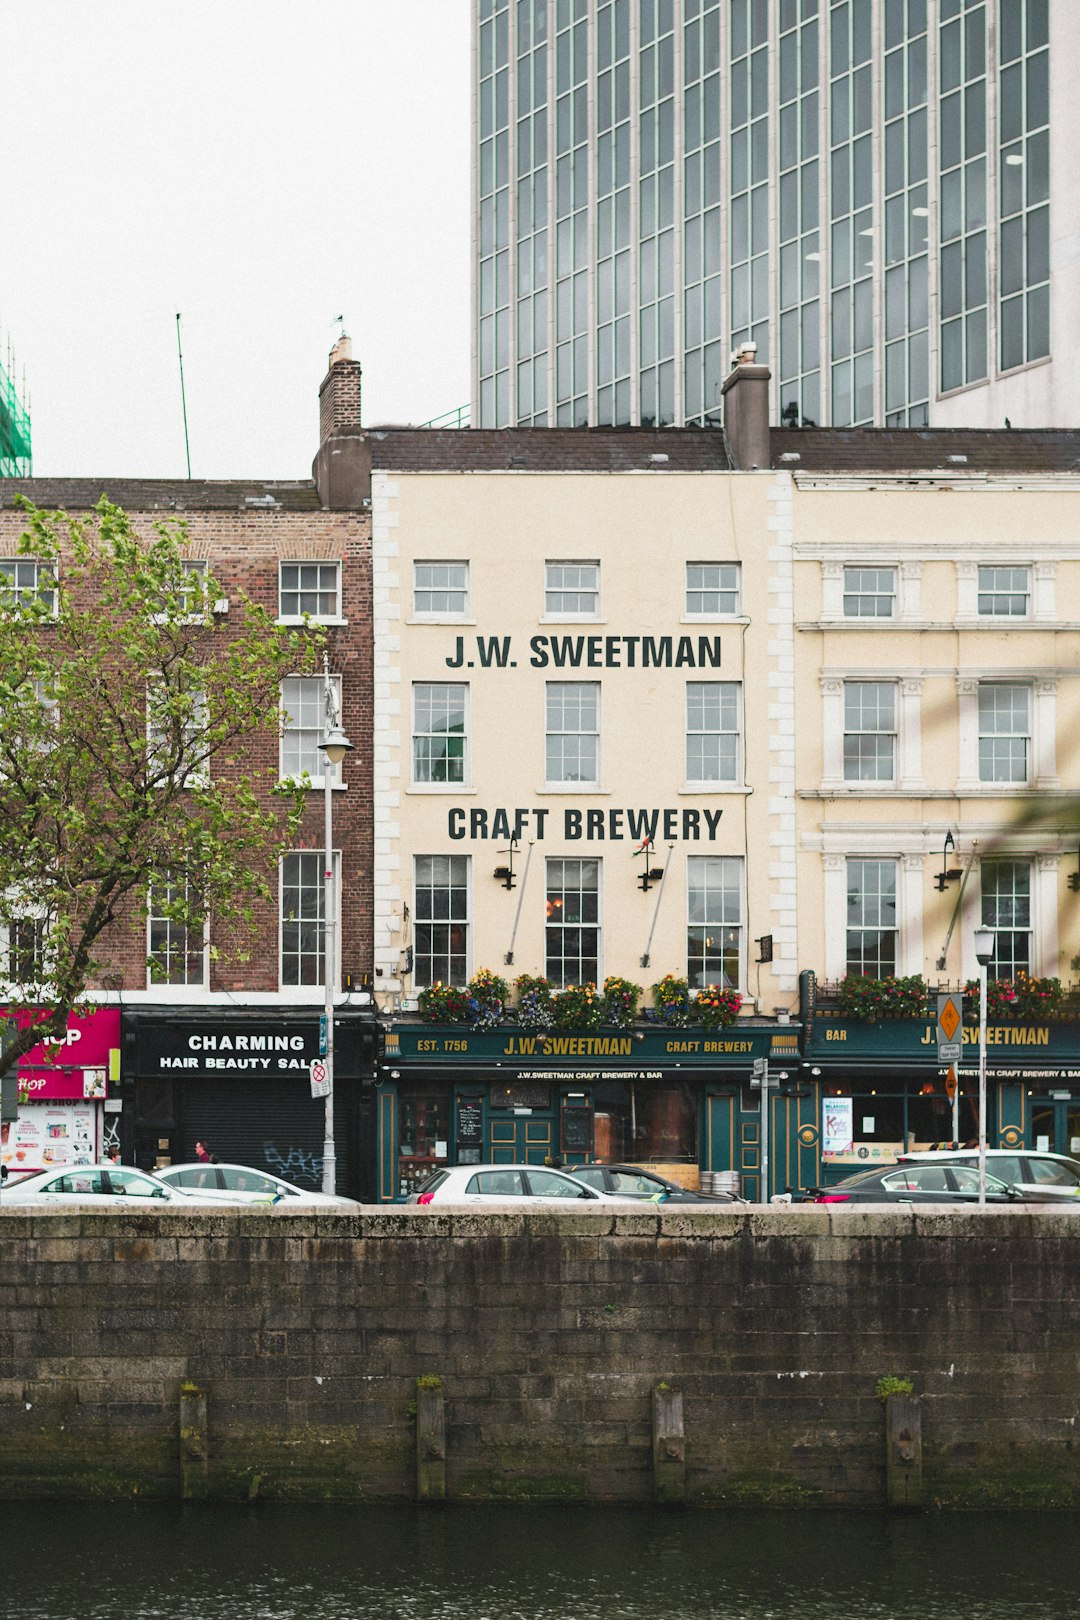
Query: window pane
(714,920)
(572,940)
(572,587)
(871,918)
(712,731)
(440,587)
(302,918)
(1003,592)
(869,731)
(572,744)
(441,920)
(309,588)
(439,733)
(1006,908)
(712,588)
(1004,732)
(869,593)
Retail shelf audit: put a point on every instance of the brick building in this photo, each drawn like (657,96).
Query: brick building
(190,1023)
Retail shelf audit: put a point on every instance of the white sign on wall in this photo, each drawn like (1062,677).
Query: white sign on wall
(838,1126)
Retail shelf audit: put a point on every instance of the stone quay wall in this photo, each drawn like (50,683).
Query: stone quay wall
(256,1354)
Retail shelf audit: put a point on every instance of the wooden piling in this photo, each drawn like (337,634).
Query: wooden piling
(903,1451)
(668,1445)
(430,1441)
(194,1444)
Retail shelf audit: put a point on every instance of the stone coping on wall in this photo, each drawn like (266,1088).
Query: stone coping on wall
(505,1221)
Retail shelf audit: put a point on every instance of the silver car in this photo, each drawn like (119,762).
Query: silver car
(240,1184)
(531,1184)
(105,1186)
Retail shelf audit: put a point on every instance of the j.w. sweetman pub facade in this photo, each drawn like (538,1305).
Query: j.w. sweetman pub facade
(778,712)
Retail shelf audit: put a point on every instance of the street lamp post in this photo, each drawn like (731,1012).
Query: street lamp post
(984,950)
(334,744)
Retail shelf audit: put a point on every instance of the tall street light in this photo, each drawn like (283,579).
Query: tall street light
(984,950)
(334,744)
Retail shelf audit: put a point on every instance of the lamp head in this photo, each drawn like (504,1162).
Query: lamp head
(984,945)
(335,745)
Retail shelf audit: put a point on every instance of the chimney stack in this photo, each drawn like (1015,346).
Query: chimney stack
(746,410)
(342,468)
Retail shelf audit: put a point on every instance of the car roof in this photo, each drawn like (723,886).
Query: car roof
(991,1153)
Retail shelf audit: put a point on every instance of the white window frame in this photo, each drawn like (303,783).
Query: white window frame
(858,780)
(421,982)
(570,615)
(313,618)
(200,718)
(1013,859)
(898,893)
(718,782)
(999,567)
(168,989)
(908,777)
(877,568)
(309,992)
(17,593)
(1026,734)
(702,615)
(599,925)
(442,615)
(740,925)
(417,784)
(319,780)
(906,598)
(36,917)
(1042,714)
(568,784)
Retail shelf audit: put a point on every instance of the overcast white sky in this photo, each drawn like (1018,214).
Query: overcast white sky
(260,166)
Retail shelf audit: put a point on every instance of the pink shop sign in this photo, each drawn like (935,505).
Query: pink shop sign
(76,1066)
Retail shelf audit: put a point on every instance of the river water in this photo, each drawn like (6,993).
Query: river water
(62,1561)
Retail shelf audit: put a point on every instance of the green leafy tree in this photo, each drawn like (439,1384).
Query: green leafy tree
(130,714)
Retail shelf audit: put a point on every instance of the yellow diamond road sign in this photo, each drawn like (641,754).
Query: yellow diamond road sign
(948,1017)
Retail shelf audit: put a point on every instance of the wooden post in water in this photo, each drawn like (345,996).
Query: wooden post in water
(194,1444)
(668,1445)
(430,1440)
(903,1451)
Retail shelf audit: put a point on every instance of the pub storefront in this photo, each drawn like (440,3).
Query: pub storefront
(884,1092)
(678,1100)
(240,1082)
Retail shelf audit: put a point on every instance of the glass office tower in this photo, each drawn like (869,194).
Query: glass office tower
(866,189)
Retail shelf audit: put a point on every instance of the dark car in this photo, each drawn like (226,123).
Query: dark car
(916,1184)
(629,1181)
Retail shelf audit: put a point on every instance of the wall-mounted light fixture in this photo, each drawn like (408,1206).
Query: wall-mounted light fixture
(1074,877)
(948,874)
(649,874)
(505,874)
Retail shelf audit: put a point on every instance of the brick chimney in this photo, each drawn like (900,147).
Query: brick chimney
(746,410)
(342,468)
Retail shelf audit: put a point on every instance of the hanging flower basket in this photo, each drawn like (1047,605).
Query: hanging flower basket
(871,999)
(535,1009)
(620,1002)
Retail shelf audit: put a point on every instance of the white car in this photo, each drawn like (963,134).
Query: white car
(106,1186)
(531,1184)
(240,1184)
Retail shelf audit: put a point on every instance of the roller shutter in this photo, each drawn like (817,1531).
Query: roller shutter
(270,1124)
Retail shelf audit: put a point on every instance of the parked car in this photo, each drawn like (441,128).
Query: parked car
(629,1181)
(240,1184)
(103,1185)
(1049,1176)
(522,1183)
(916,1184)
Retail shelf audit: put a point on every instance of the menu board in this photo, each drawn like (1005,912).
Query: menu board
(470,1121)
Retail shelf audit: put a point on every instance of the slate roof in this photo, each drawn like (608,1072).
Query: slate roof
(599,450)
(165,494)
(863,451)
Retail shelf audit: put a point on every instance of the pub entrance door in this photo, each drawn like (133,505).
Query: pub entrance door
(520,1138)
(1055,1124)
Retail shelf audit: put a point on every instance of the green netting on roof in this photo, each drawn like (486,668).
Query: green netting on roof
(16,454)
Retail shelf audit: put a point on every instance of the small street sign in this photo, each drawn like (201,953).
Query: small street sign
(320,1079)
(950,1083)
(950,1013)
(322,1035)
(762,1079)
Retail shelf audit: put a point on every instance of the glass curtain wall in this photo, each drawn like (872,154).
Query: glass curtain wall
(532,212)
(493,192)
(572,213)
(800,185)
(705,354)
(962,143)
(907,216)
(748,178)
(656,213)
(613,174)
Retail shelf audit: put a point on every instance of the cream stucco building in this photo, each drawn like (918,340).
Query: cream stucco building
(795,676)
